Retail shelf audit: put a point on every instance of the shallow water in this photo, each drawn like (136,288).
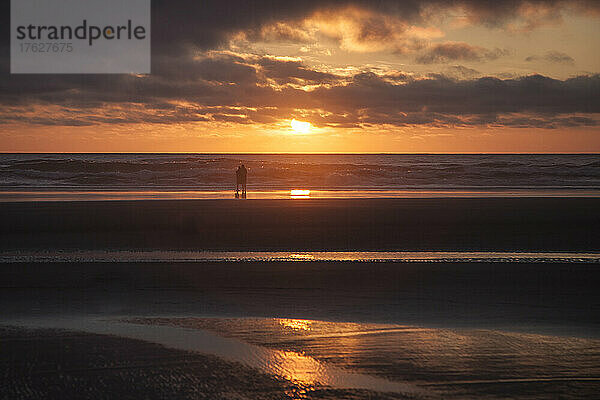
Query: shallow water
(413,360)
(288,364)
(13,195)
(287,256)
(448,362)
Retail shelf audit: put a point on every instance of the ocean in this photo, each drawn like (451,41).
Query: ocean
(344,173)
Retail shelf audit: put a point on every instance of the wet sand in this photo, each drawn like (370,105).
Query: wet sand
(273,358)
(560,297)
(484,299)
(447,363)
(453,224)
(59,364)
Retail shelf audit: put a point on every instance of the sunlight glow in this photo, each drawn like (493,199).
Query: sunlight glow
(300,126)
(299,193)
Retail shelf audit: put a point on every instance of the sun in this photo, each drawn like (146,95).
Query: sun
(301,127)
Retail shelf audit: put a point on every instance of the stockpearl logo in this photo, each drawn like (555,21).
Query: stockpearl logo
(80,36)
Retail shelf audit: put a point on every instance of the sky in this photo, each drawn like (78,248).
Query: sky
(424,76)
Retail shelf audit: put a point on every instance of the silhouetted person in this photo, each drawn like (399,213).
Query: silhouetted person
(238,181)
(241,178)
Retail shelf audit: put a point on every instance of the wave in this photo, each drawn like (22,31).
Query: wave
(205,171)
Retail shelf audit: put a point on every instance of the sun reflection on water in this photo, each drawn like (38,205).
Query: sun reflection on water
(301,256)
(299,193)
(296,324)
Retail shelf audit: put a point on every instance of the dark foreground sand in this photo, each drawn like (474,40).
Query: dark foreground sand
(57,364)
(525,296)
(531,297)
(501,224)
(426,363)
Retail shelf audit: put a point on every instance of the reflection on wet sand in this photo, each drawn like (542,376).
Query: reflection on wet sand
(296,367)
(413,361)
(299,368)
(457,363)
(124,256)
(295,324)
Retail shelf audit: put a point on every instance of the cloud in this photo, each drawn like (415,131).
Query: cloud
(452,99)
(247,88)
(286,71)
(178,25)
(357,24)
(277,32)
(363,30)
(405,27)
(461,72)
(195,80)
(459,51)
(555,57)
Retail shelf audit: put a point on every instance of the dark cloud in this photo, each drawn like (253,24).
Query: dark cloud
(545,122)
(461,72)
(459,51)
(484,96)
(553,57)
(256,89)
(285,71)
(178,25)
(277,32)
(190,83)
(208,24)
(220,16)
(219,68)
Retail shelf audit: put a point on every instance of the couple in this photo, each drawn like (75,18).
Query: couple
(241,175)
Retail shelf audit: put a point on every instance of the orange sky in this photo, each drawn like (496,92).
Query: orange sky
(434,79)
(197,139)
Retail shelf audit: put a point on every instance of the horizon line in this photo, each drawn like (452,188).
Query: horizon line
(302,153)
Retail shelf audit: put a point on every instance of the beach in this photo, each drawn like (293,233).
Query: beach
(453,224)
(58,364)
(544,296)
(303,298)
